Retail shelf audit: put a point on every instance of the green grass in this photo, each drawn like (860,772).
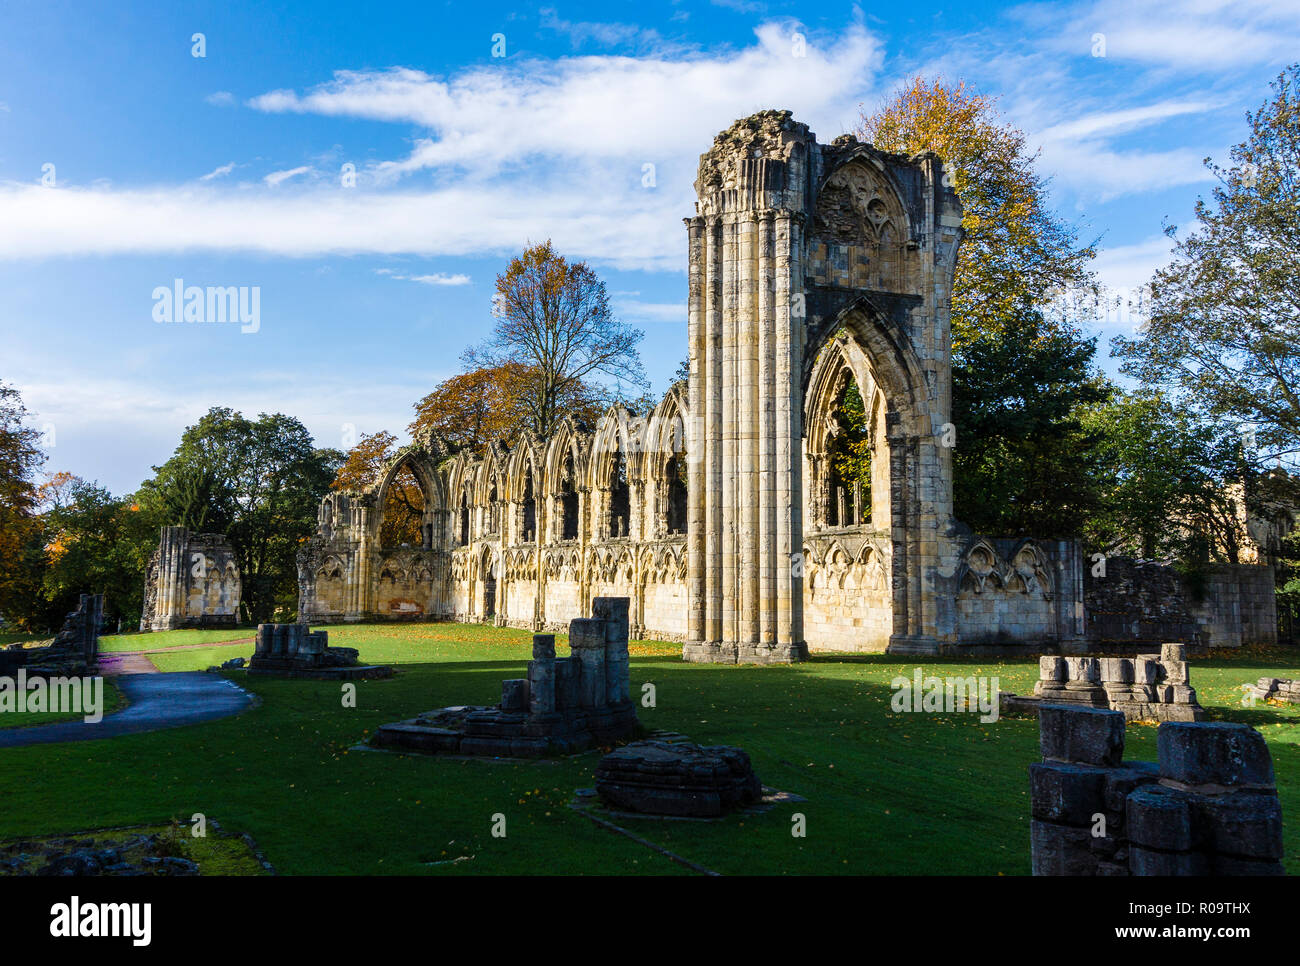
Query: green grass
(113,701)
(886,793)
(156,639)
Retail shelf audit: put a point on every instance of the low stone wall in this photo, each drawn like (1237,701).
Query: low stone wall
(1208,807)
(1141,603)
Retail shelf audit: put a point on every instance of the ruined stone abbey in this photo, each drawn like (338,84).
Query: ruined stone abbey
(812,267)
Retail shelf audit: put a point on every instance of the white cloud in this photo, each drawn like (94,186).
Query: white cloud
(1191,35)
(637,311)
(220,172)
(278,177)
(438,278)
(543,149)
(599,107)
(220,99)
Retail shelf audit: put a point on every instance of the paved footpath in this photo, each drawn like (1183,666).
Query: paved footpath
(157,701)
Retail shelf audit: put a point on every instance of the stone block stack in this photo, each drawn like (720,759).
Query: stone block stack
(1209,806)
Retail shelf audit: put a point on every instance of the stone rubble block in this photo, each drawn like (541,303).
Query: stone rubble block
(1087,736)
(1218,753)
(678,779)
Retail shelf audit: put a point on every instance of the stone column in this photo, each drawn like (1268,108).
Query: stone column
(614,612)
(541,676)
(587,642)
(711,390)
(767,439)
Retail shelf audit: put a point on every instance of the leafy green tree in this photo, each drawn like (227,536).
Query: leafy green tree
(1174,482)
(1024,464)
(20,460)
(94,543)
(1225,317)
(259,481)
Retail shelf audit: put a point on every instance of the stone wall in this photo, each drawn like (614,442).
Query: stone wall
(1141,603)
(192,581)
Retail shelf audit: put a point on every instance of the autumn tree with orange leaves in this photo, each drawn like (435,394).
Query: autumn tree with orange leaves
(556,333)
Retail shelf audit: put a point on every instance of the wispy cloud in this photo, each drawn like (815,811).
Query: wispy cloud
(220,172)
(438,278)
(221,99)
(279,177)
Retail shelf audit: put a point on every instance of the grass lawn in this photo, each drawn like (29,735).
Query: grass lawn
(886,793)
(24,719)
(155,639)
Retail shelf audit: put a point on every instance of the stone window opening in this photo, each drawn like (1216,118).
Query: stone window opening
(568,500)
(403,520)
(846,469)
(529,528)
(675,477)
(620,498)
(464,520)
(493,510)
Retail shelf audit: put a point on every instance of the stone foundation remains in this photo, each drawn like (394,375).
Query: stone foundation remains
(1148,687)
(1208,808)
(564,705)
(676,779)
(192,581)
(296,651)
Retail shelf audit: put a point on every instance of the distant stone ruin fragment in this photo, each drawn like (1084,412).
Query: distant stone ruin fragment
(1208,808)
(1274,689)
(294,650)
(74,651)
(192,581)
(564,705)
(1148,687)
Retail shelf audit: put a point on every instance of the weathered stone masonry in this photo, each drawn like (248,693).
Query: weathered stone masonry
(192,581)
(718,513)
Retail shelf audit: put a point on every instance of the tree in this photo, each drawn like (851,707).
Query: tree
(94,543)
(365,461)
(268,479)
(1173,483)
(554,321)
(1023,462)
(1015,251)
(1225,313)
(20,459)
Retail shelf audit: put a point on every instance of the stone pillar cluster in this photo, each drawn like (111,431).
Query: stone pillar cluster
(1208,807)
(295,650)
(1148,687)
(563,705)
(745,313)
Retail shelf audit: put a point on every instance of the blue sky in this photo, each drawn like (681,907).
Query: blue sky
(228,170)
